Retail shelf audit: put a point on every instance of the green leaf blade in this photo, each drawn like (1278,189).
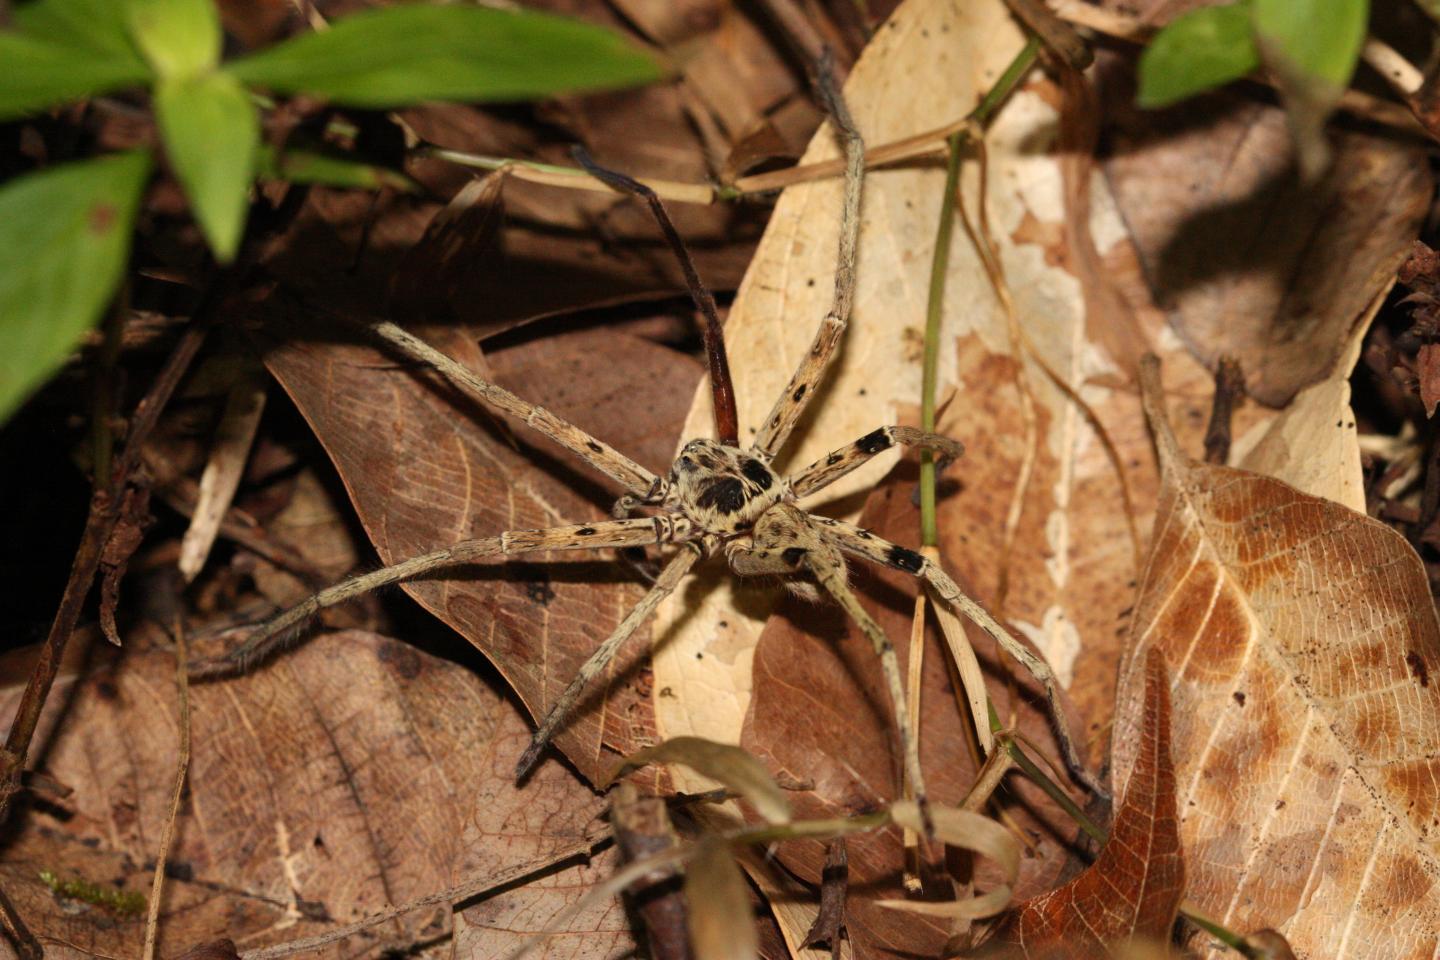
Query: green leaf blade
(1199,51)
(180,38)
(298,165)
(74,225)
(401,55)
(97,25)
(40,74)
(1319,38)
(211,131)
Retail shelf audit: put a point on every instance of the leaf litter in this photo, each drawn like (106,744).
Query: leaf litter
(1031,518)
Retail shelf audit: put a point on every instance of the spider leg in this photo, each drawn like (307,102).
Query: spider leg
(802,386)
(828,469)
(863,543)
(665,584)
(599,455)
(786,542)
(274,632)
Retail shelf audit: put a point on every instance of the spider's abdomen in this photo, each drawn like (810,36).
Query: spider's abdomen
(721,489)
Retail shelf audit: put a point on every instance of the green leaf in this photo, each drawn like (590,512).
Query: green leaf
(1319,38)
(312,166)
(211,130)
(68,233)
(395,56)
(96,25)
(1199,51)
(40,74)
(180,38)
(1312,47)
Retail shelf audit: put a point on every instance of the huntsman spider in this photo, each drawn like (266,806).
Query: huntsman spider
(717,498)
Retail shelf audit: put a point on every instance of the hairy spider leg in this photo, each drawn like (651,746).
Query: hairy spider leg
(835,465)
(598,454)
(787,540)
(862,543)
(274,632)
(802,386)
(670,577)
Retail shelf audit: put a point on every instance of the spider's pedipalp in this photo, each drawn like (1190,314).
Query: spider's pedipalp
(270,635)
(838,463)
(862,543)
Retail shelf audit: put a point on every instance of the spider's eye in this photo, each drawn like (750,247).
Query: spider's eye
(687,464)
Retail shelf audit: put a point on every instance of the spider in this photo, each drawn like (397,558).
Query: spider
(717,498)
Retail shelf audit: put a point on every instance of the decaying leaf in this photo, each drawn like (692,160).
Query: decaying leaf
(1304,642)
(726,764)
(425,469)
(1245,257)
(321,789)
(1133,889)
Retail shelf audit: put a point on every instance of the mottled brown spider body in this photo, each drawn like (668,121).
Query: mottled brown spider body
(722,490)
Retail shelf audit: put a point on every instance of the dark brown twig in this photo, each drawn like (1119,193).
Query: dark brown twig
(829,925)
(1229,392)
(642,828)
(727,420)
(19,935)
(106,507)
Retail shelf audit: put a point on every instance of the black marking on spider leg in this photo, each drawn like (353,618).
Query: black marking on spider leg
(595,447)
(727,495)
(875,441)
(907,560)
(756,473)
(833,459)
(799,393)
(793,555)
(585,532)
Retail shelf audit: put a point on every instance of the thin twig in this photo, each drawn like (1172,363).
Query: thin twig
(182,764)
(465,890)
(1229,391)
(19,935)
(105,512)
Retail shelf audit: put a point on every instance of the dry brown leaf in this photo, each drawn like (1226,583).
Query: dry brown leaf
(1246,259)
(819,715)
(1071,564)
(425,470)
(1304,640)
(321,789)
(1133,889)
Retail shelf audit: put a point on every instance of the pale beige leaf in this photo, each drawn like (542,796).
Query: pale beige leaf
(722,925)
(1303,639)
(1065,599)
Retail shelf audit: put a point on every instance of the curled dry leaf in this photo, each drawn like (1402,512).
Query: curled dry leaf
(964,830)
(1133,889)
(426,469)
(1247,259)
(1307,722)
(735,768)
(321,790)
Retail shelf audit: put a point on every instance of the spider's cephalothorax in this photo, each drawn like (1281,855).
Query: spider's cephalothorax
(722,490)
